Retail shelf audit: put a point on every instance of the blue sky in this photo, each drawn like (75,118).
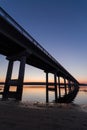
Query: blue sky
(60,26)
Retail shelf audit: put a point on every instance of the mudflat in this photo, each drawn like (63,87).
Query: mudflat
(14,116)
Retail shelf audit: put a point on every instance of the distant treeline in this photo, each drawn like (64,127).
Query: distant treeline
(83,84)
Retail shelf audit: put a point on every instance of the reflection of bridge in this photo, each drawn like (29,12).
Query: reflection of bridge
(17,44)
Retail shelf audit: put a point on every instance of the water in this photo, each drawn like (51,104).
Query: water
(38,94)
(81,98)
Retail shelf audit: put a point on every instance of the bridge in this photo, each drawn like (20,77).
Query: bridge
(18,45)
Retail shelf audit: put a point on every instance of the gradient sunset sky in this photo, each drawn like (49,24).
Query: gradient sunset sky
(60,26)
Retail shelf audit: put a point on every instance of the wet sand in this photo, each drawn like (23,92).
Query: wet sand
(18,116)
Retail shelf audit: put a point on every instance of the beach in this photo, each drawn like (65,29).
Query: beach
(18,116)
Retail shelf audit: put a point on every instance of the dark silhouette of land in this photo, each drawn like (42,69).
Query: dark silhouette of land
(14,116)
(82,84)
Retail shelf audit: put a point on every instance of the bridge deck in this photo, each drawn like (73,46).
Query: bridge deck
(15,40)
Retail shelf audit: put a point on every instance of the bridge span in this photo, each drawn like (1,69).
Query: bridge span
(17,44)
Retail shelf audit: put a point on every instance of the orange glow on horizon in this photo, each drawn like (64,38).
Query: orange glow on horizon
(39,79)
(82,80)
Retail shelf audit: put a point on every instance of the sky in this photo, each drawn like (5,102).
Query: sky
(60,26)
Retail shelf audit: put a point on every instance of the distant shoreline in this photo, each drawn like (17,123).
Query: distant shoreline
(82,84)
(41,83)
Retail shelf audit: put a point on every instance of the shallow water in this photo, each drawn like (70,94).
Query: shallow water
(81,98)
(35,94)
(38,94)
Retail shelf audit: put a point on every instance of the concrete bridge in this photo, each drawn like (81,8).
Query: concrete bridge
(17,44)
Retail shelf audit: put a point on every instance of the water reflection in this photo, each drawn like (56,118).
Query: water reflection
(81,97)
(38,94)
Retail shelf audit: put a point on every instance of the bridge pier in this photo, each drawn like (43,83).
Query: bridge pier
(8,78)
(59,87)
(21,78)
(65,86)
(69,85)
(55,82)
(51,89)
(18,82)
(47,98)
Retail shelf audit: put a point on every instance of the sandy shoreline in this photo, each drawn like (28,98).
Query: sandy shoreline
(16,116)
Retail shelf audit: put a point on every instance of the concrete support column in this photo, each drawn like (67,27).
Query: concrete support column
(65,86)
(8,78)
(59,87)
(21,78)
(55,82)
(47,98)
(69,85)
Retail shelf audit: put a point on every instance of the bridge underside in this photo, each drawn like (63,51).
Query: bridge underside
(17,44)
(14,51)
